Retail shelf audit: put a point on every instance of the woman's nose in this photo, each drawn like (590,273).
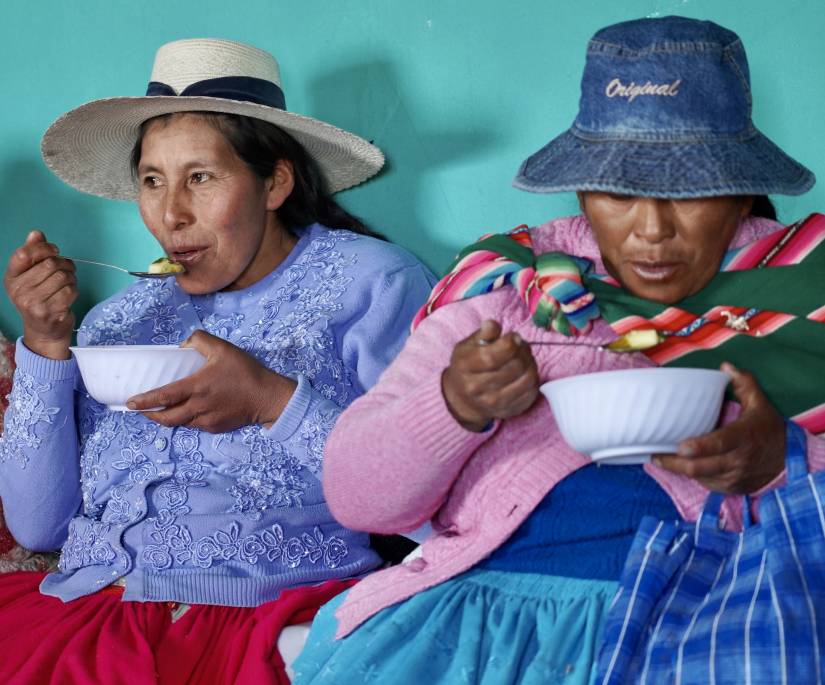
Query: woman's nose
(654,222)
(177,210)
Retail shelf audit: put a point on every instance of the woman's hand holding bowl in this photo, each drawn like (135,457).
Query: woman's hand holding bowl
(490,376)
(232,389)
(742,456)
(42,286)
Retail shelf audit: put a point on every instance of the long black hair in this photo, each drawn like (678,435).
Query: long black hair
(763,207)
(260,145)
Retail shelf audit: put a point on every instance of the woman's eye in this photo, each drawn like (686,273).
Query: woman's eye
(619,198)
(200,176)
(151,181)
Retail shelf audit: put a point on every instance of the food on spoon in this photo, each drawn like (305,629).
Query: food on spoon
(164,265)
(633,341)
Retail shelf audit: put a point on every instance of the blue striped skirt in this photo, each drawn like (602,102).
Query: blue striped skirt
(482,627)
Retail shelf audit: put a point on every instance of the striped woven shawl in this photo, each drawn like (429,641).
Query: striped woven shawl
(764,311)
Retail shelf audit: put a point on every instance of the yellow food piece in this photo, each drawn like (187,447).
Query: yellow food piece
(633,341)
(164,265)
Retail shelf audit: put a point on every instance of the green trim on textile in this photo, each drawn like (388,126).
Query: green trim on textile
(503,245)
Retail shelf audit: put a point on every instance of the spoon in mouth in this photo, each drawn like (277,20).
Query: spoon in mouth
(139,274)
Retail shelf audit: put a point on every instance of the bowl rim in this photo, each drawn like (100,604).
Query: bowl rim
(669,370)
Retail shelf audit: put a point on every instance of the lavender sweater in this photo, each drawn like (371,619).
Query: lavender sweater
(401,441)
(188,516)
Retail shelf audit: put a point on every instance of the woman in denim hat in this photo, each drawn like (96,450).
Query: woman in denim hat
(530,536)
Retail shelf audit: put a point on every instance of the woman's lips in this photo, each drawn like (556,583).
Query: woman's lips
(188,257)
(654,271)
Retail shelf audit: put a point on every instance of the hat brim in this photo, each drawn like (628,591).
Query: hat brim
(90,147)
(751,165)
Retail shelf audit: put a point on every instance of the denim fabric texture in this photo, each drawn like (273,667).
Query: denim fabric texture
(665,111)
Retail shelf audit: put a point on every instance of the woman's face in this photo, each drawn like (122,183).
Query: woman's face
(663,250)
(206,207)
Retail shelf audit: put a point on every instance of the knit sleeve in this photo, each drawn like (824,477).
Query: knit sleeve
(39,467)
(400,439)
(371,338)
(376,337)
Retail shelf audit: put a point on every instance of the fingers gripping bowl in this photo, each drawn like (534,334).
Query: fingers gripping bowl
(113,374)
(623,417)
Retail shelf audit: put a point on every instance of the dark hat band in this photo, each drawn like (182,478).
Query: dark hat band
(242,88)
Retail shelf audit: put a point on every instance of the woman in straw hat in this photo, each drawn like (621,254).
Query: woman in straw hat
(192,534)
(530,535)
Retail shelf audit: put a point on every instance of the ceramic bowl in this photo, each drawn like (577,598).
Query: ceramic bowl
(623,417)
(114,373)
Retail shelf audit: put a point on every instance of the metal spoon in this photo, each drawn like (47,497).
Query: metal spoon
(606,346)
(548,342)
(565,344)
(139,274)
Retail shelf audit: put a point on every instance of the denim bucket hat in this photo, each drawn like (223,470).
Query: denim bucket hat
(665,111)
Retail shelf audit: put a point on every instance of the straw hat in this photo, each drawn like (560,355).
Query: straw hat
(90,146)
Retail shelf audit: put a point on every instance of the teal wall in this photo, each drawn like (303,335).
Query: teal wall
(456,92)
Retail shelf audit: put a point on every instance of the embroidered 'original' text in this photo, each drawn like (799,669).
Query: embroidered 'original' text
(633,90)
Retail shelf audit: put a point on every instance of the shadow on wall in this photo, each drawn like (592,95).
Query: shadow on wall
(31,197)
(369,98)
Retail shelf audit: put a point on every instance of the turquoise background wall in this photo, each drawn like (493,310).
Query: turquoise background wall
(456,92)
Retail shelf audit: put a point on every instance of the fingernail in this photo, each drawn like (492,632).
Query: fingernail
(131,405)
(686,451)
(657,461)
(517,339)
(732,371)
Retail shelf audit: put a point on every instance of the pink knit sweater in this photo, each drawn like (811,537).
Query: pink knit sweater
(397,458)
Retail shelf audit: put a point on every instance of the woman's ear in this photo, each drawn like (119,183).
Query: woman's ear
(747,205)
(279,186)
(580,197)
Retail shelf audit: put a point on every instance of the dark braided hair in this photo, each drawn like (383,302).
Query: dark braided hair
(260,145)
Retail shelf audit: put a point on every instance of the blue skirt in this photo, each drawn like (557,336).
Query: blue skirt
(482,627)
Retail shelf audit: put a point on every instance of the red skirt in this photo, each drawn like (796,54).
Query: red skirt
(102,640)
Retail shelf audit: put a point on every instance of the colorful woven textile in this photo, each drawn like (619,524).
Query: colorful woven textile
(701,605)
(551,284)
(7,543)
(769,320)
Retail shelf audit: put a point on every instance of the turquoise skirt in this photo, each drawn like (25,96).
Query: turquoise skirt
(482,627)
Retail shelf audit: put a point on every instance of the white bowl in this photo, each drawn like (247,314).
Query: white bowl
(623,417)
(114,373)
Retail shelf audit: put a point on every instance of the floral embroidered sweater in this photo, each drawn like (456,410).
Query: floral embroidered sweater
(400,440)
(188,516)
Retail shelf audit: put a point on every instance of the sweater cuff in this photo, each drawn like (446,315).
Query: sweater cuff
(44,368)
(439,434)
(293,414)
